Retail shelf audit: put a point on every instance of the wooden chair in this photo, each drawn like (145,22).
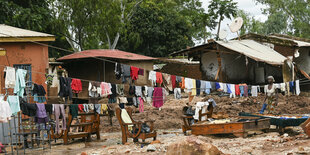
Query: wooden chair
(110,114)
(87,128)
(136,126)
(187,120)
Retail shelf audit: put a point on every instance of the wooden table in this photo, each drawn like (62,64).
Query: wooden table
(239,129)
(281,121)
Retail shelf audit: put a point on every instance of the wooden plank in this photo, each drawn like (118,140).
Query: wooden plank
(90,113)
(78,135)
(205,129)
(260,125)
(237,128)
(80,124)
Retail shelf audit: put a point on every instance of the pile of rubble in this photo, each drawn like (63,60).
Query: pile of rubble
(169,117)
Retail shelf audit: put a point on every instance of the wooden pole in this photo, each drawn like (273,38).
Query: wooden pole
(219,61)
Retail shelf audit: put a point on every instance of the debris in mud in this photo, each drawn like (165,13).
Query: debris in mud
(192,145)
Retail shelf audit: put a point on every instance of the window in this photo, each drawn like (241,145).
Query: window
(29,73)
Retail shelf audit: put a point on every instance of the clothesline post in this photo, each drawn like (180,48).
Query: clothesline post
(219,61)
(103,70)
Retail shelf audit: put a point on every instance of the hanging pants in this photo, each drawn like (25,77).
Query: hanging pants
(141,106)
(59,109)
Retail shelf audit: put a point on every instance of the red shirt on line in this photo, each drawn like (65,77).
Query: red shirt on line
(134,72)
(76,85)
(159,78)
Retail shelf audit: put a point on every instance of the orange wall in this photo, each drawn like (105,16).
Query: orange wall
(25,53)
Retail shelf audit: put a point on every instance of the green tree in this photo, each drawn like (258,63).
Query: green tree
(29,14)
(161,27)
(220,9)
(193,12)
(205,24)
(33,15)
(92,23)
(276,23)
(256,26)
(297,12)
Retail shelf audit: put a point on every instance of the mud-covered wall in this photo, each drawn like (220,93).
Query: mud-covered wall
(25,54)
(235,69)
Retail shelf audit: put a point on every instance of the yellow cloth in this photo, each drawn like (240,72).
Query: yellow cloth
(287,84)
(271,104)
(194,92)
(104,109)
(126,118)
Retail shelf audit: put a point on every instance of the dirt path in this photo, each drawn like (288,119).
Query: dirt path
(271,143)
(168,124)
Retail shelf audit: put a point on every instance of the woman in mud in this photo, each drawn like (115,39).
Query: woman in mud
(271,96)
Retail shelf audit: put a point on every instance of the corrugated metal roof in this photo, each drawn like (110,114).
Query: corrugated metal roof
(299,42)
(14,34)
(106,53)
(8,31)
(254,50)
(179,61)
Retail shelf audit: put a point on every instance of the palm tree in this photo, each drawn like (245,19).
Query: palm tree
(219,9)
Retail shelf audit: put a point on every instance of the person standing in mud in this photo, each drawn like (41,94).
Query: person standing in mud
(271,96)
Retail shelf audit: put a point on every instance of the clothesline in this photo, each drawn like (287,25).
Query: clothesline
(117,63)
(303,82)
(55,47)
(194,87)
(84,97)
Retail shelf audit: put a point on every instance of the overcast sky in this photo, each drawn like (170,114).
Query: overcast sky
(248,6)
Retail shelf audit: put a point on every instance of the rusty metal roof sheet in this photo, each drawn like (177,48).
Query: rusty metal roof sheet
(106,53)
(300,43)
(254,50)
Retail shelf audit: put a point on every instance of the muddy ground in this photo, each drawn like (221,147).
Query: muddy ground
(168,124)
(169,117)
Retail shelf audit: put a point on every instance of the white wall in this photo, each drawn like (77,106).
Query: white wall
(235,70)
(233,66)
(209,65)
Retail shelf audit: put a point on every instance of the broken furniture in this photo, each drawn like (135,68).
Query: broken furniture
(110,113)
(86,127)
(281,121)
(131,128)
(238,126)
(189,120)
(33,133)
(306,127)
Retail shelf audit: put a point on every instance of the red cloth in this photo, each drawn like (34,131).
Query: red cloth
(173,78)
(134,72)
(81,107)
(76,85)
(141,106)
(158,99)
(237,90)
(2,148)
(159,78)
